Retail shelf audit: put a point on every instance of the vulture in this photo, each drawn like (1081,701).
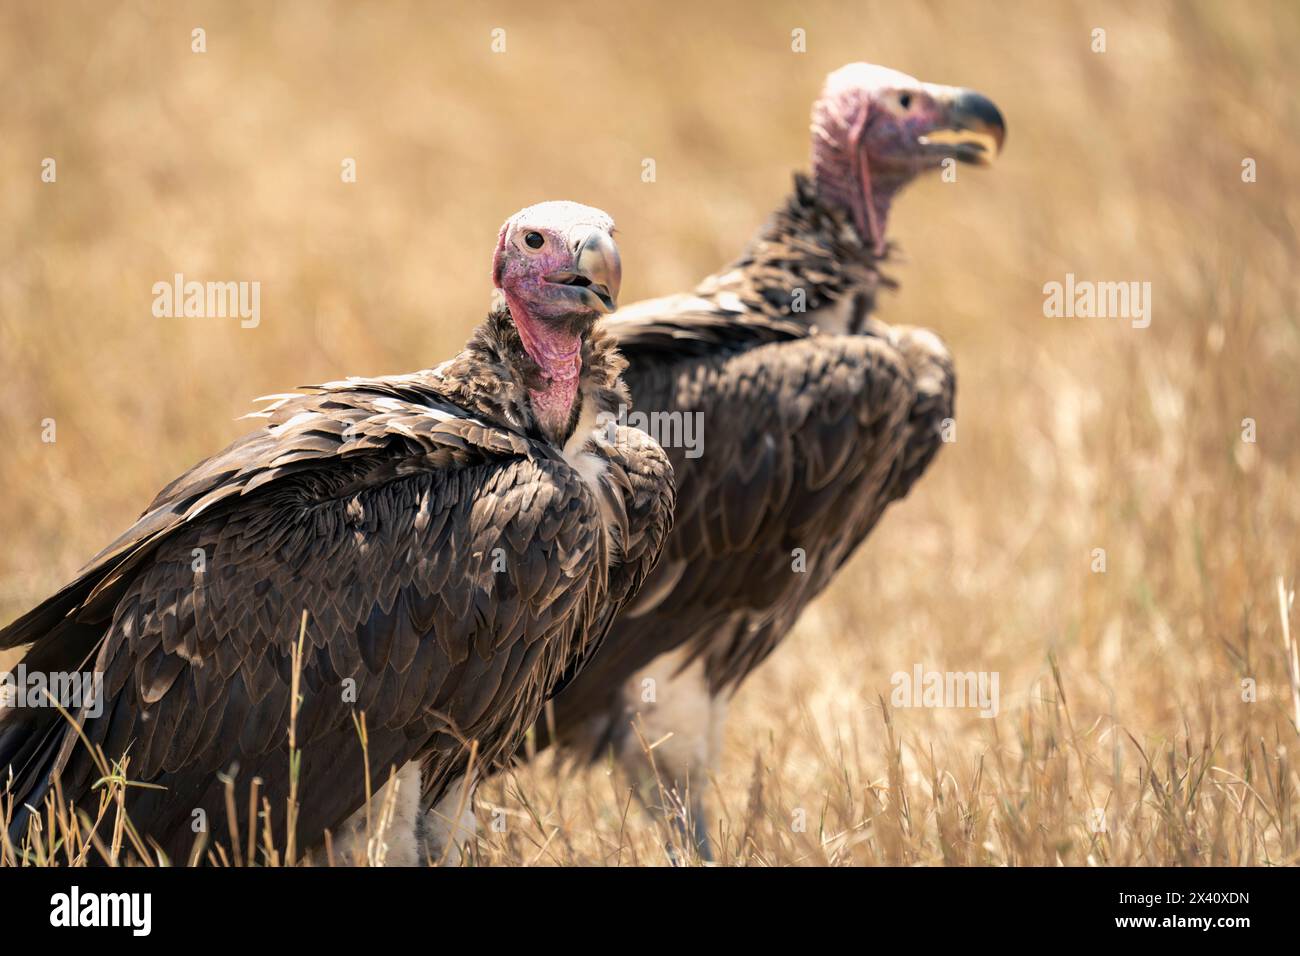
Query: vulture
(455,539)
(813,415)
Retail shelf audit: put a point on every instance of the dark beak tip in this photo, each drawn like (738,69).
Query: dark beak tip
(985,116)
(974,128)
(598,260)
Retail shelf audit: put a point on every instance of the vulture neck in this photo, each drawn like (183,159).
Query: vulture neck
(497,376)
(808,257)
(843,179)
(551,365)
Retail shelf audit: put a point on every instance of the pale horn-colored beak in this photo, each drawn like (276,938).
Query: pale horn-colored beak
(974,131)
(598,262)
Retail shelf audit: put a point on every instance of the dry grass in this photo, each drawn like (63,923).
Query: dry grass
(1120,690)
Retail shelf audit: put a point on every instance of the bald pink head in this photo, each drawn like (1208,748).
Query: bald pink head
(874,130)
(558,267)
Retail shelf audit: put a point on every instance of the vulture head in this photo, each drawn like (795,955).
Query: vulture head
(558,268)
(874,130)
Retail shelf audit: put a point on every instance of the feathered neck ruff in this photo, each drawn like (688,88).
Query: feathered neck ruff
(493,375)
(806,256)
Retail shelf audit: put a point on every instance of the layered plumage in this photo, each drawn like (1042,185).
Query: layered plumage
(455,552)
(815,417)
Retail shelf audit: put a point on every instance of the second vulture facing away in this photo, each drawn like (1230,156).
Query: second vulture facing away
(815,418)
(459,538)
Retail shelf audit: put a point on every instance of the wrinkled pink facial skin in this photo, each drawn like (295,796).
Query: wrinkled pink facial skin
(548,317)
(863,142)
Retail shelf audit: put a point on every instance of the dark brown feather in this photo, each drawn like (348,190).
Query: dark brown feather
(808,436)
(373,505)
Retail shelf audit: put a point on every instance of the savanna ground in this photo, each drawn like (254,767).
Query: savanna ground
(1121,691)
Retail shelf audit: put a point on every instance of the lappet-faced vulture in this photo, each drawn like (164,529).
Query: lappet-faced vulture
(458,538)
(814,418)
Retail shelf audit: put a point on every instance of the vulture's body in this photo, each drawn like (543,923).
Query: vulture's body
(453,553)
(808,436)
(815,418)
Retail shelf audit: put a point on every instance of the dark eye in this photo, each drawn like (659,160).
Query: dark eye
(534,240)
(905,101)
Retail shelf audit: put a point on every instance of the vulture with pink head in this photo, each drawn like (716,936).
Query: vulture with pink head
(815,417)
(458,538)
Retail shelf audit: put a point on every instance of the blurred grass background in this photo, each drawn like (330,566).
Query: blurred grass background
(1073,434)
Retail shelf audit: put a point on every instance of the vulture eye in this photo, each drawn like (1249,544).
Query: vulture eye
(534,240)
(905,101)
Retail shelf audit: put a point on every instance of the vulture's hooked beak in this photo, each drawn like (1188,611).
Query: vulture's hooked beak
(597,269)
(974,131)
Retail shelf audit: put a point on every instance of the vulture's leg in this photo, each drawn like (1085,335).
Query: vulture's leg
(391,839)
(673,749)
(450,824)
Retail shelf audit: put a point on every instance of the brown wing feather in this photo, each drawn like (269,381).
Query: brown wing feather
(806,441)
(637,485)
(816,417)
(380,519)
